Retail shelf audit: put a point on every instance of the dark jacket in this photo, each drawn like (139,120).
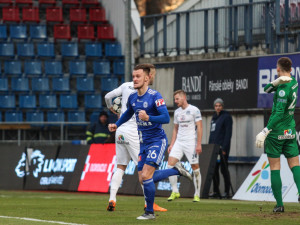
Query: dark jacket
(221,130)
(97,133)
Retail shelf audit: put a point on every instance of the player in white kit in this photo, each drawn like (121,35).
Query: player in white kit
(127,139)
(186,139)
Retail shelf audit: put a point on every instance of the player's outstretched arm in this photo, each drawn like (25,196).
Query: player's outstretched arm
(274,84)
(109,97)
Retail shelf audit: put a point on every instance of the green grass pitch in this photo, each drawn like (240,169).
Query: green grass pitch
(90,208)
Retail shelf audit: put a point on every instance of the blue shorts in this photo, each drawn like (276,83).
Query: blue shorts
(152,153)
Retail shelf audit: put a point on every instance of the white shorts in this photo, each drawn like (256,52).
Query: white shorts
(127,146)
(189,149)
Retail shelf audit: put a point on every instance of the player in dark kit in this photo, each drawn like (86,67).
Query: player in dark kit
(151,112)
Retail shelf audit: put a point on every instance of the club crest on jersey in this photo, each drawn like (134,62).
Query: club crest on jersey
(281,93)
(159,102)
(145,104)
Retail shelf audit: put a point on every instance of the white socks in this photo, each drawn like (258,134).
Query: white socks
(115,183)
(197,181)
(173,181)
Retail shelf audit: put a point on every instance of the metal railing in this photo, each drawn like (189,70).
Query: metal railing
(233,27)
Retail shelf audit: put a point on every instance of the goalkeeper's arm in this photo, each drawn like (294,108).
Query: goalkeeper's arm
(274,84)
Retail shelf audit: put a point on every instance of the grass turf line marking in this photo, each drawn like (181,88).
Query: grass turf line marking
(37,220)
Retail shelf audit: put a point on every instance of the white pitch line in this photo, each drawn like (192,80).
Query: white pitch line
(37,220)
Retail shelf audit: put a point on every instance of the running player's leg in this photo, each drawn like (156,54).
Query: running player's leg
(174,156)
(123,158)
(193,158)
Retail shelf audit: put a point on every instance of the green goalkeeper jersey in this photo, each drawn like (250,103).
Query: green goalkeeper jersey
(284,102)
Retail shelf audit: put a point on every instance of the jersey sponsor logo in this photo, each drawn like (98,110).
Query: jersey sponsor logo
(281,100)
(144,123)
(160,102)
(188,112)
(145,104)
(121,140)
(287,135)
(281,93)
(288,132)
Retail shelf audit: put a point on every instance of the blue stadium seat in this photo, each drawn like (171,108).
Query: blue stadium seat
(40,84)
(53,68)
(68,101)
(45,50)
(33,68)
(109,83)
(13,116)
(47,101)
(7,101)
(20,84)
(12,67)
(0,116)
(25,50)
(3,31)
(85,84)
(7,50)
(55,117)
(94,117)
(38,31)
(113,49)
(101,67)
(18,31)
(77,67)
(93,50)
(93,101)
(61,84)
(4,84)
(34,116)
(118,67)
(76,116)
(27,101)
(69,49)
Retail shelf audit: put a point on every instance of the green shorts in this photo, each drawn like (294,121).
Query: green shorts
(283,142)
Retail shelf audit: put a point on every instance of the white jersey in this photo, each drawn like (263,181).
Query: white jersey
(123,90)
(186,119)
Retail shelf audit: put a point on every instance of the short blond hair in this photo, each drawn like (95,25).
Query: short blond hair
(181,92)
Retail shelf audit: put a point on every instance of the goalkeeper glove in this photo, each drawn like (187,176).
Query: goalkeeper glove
(281,80)
(260,138)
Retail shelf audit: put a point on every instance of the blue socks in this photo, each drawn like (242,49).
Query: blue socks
(149,191)
(163,174)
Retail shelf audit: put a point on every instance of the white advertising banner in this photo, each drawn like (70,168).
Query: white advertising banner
(257,186)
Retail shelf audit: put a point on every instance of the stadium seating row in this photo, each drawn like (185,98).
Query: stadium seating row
(61,31)
(41,84)
(54,68)
(53,14)
(38,116)
(68,49)
(49,101)
(52,2)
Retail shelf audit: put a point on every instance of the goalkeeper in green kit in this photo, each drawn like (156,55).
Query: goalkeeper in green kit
(280,135)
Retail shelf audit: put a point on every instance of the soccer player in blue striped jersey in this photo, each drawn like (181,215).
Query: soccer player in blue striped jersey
(151,112)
